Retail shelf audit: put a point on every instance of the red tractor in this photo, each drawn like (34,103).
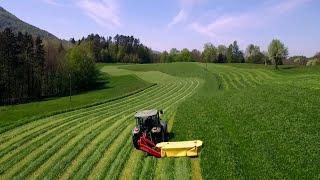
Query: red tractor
(149,131)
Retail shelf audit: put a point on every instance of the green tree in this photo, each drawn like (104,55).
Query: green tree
(164,57)
(185,55)
(196,55)
(234,54)
(254,55)
(209,53)
(277,52)
(222,54)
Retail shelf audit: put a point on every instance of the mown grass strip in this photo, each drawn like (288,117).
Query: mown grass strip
(4,129)
(237,80)
(196,169)
(182,168)
(56,156)
(37,159)
(112,146)
(78,113)
(115,168)
(148,169)
(110,134)
(128,169)
(103,162)
(37,134)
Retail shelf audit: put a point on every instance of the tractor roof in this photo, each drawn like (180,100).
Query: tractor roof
(146,113)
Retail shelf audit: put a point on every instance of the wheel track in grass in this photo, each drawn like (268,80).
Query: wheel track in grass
(54,146)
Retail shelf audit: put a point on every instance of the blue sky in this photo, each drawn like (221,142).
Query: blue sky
(164,24)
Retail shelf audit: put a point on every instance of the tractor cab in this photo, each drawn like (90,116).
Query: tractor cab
(149,123)
(146,120)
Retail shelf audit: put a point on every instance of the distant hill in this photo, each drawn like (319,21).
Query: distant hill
(8,20)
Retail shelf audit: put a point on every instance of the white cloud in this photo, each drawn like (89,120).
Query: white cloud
(258,18)
(51,2)
(103,12)
(185,7)
(180,17)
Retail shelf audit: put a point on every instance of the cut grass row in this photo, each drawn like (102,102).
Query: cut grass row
(87,138)
(16,115)
(68,118)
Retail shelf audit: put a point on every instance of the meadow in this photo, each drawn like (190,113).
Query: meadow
(255,122)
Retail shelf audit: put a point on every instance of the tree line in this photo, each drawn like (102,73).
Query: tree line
(119,49)
(277,52)
(31,70)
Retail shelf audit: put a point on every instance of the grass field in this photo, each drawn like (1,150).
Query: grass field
(256,123)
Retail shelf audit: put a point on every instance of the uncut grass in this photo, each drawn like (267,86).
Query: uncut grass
(266,132)
(269,135)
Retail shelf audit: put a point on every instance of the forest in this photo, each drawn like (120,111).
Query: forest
(33,68)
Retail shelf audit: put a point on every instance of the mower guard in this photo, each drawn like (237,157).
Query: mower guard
(179,149)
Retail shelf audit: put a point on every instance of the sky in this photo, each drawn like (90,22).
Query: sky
(166,24)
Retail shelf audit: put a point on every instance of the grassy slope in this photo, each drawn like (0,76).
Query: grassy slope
(12,116)
(255,122)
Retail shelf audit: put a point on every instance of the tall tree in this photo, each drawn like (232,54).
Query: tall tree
(222,54)
(209,53)
(185,55)
(254,55)
(234,55)
(277,52)
(196,55)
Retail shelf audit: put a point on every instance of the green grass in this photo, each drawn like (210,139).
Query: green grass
(255,122)
(91,142)
(12,116)
(260,124)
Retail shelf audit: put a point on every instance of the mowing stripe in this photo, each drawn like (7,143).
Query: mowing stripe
(119,162)
(182,168)
(128,170)
(113,148)
(21,147)
(3,151)
(196,169)
(92,135)
(76,113)
(63,151)
(103,162)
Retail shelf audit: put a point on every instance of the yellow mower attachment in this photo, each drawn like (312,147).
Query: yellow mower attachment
(179,149)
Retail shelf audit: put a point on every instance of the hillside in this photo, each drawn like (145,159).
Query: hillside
(8,20)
